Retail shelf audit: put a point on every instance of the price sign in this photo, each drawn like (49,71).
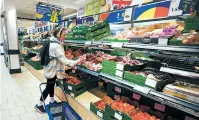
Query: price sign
(116,97)
(151,82)
(136,96)
(163,41)
(70,87)
(117,89)
(118,116)
(119,73)
(160,107)
(117,45)
(72,94)
(120,67)
(88,43)
(142,89)
(99,114)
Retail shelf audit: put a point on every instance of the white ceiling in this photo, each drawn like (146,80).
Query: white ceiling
(28,7)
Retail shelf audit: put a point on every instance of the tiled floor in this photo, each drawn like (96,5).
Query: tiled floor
(20,92)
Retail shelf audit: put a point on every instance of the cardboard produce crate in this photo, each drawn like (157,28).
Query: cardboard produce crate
(96,110)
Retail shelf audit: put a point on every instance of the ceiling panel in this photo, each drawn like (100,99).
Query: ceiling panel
(29,6)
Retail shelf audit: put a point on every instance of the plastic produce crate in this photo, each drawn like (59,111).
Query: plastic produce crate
(97,111)
(59,83)
(111,113)
(137,79)
(75,93)
(73,87)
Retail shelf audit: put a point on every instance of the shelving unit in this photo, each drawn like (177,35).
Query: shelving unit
(188,107)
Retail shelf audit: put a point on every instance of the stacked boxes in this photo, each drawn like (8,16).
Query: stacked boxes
(94,32)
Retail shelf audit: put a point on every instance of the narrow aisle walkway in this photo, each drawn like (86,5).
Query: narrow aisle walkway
(20,93)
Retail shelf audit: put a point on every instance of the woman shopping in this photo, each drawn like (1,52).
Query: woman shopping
(55,68)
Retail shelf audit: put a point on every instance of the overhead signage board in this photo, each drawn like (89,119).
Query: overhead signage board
(47,12)
(81,12)
(84,20)
(117,16)
(152,11)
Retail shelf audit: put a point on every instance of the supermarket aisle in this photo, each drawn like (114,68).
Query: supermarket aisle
(20,93)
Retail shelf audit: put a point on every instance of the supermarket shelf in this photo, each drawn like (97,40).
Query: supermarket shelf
(180,72)
(88,71)
(183,105)
(75,41)
(166,48)
(157,19)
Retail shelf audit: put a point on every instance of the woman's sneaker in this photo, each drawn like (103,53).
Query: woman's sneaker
(40,109)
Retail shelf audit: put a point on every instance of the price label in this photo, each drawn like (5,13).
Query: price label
(189,118)
(70,87)
(151,82)
(159,107)
(118,116)
(116,97)
(163,41)
(72,94)
(191,98)
(117,89)
(142,89)
(119,73)
(117,45)
(120,67)
(88,43)
(136,96)
(99,114)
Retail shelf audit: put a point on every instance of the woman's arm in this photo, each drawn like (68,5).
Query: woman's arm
(59,52)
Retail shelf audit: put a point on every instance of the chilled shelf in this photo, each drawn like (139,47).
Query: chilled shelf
(88,71)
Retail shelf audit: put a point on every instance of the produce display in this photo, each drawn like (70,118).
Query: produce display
(73,54)
(37,47)
(72,80)
(101,105)
(155,30)
(122,106)
(189,38)
(143,116)
(94,61)
(183,90)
